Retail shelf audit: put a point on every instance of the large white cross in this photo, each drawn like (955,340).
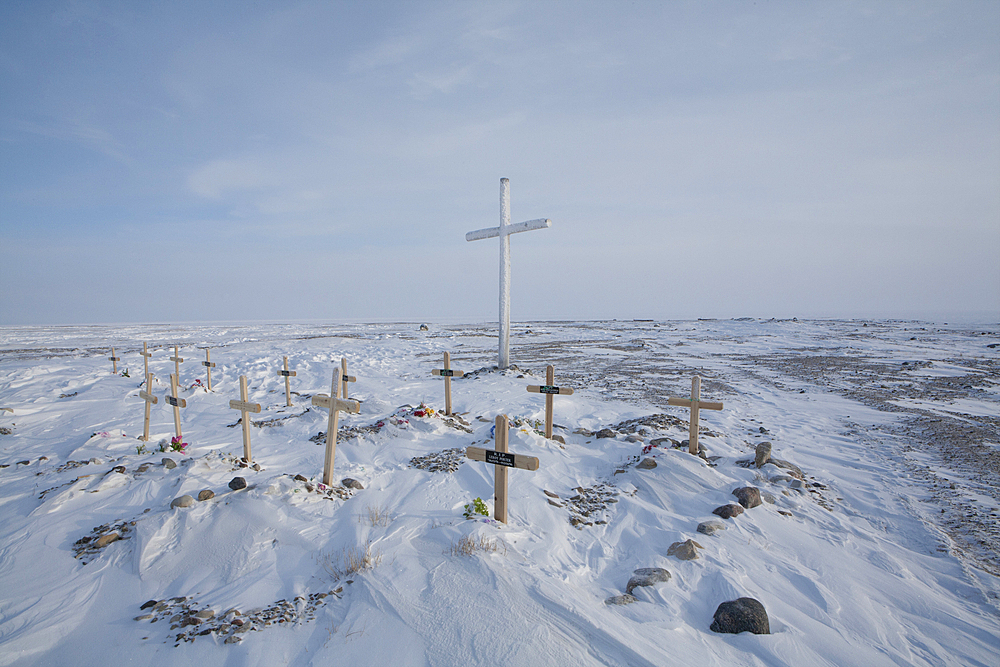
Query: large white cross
(504,231)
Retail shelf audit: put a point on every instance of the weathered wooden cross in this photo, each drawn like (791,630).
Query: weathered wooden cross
(447,373)
(334,404)
(245,408)
(549,390)
(146,354)
(177,363)
(504,231)
(178,403)
(208,366)
(150,400)
(501,460)
(114,361)
(287,374)
(695,404)
(344,377)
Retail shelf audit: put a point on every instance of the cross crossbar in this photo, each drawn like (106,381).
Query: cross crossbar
(494,232)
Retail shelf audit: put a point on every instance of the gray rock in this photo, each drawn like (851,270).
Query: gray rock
(233,639)
(168,463)
(647,576)
(558,438)
(352,483)
(621,599)
(763,454)
(767,497)
(182,501)
(663,442)
(207,494)
(301,478)
(742,615)
(606,433)
(686,550)
(792,469)
(634,438)
(646,464)
(237,483)
(105,540)
(119,469)
(728,511)
(144,617)
(205,613)
(710,527)
(748,496)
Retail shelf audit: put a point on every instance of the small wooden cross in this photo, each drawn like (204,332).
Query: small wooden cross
(501,460)
(245,407)
(344,376)
(334,404)
(146,354)
(447,373)
(288,392)
(177,363)
(549,390)
(178,403)
(114,361)
(695,404)
(150,400)
(208,366)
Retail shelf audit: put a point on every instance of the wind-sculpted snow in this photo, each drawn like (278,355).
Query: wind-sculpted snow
(874,541)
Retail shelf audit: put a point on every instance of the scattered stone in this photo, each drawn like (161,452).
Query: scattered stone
(710,527)
(423,327)
(558,438)
(589,502)
(634,437)
(728,511)
(584,432)
(686,550)
(205,613)
(182,501)
(143,617)
(792,469)
(646,464)
(663,442)
(550,494)
(447,461)
(105,540)
(762,454)
(23,463)
(237,483)
(748,496)
(621,599)
(767,497)
(352,483)
(207,494)
(555,503)
(147,605)
(606,433)
(141,469)
(646,576)
(168,463)
(301,478)
(742,615)
(119,469)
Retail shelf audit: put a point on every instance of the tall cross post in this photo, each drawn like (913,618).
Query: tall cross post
(344,377)
(504,231)
(209,366)
(178,403)
(245,407)
(549,390)
(288,391)
(114,361)
(177,363)
(150,400)
(695,404)
(146,354)
(447,373)
(334,404)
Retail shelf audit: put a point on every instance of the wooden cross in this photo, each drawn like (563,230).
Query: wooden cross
(504,231)
(208,366)
(178,403)
(334,404)
(288,392)
(501,460)
(177,363)
(150,401)
(695,404)
(345,378)
(549,390)
(245,407)
(146,354)
(114,361)
(447,373)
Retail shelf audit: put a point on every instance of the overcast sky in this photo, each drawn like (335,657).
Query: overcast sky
(210,161)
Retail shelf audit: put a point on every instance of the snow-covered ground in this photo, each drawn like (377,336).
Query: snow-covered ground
(885,554)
